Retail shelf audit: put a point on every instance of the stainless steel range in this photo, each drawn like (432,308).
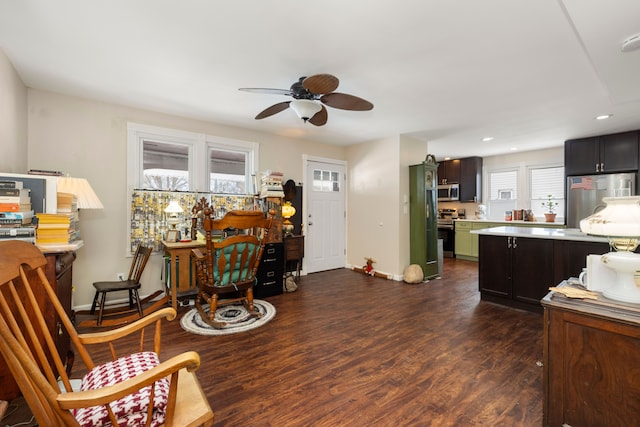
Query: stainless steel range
(446,232)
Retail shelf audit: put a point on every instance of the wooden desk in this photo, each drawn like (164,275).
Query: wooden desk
(293,251)
(182,271)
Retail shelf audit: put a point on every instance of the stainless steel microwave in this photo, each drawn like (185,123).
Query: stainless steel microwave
(448,192)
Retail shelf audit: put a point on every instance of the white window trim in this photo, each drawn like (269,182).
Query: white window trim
(198,148)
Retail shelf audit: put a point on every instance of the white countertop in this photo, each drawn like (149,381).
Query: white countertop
(502,221)
(541,233)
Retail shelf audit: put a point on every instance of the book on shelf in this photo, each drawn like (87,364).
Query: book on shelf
(14,192)
(5,183)
(15,207)
(20,196)
(6,233)
(17,215)
(15,222)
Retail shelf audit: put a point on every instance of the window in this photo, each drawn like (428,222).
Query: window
(165,166)
(503,194)
(545,181)
(172,160)
(324,180)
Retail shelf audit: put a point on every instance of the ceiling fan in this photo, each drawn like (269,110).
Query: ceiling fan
(310,95)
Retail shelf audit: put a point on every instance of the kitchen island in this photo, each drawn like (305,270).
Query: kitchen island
(517,265)
(466,242)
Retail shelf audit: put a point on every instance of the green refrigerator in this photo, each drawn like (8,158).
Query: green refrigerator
(423,216)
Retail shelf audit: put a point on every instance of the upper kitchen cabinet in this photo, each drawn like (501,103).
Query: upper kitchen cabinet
(471,179)
(602,154)
(449,172)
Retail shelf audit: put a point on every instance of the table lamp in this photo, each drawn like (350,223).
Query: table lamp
(173,210)
(619,221)
(287,212)
(87,198)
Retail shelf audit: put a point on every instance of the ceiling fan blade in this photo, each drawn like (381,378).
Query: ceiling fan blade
(346,102)
(267,90)
(319,118)
(274,109)
(321,83)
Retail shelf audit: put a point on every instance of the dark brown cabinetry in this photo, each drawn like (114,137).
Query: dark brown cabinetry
(602,154)
(515,270)
(293,254)
(59,273)
(270,272)
(449,172)
(570,257)
(471,179)
(591,354)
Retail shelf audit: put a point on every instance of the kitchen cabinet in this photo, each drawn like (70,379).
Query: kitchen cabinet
(423,216)
(466,242)
(602,154)
(471,179)
(570,257)
(591,358)
(514,270)
(449,171)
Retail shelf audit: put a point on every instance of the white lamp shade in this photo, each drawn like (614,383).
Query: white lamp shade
(87,198)
(305,108)
(621,218)
(173,208)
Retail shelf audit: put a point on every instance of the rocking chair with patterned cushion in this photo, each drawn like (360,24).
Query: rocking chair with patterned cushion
(234,248)
(135,389)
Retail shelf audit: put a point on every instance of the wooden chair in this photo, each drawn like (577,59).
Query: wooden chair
(229,266)
(133,388)
(132,284)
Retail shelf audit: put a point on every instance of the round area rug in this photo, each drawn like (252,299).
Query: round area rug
(235,315)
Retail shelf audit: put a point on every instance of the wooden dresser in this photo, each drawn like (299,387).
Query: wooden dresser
(59,273)
(591,362)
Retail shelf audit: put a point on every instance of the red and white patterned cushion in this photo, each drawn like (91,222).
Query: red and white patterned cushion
(131,410)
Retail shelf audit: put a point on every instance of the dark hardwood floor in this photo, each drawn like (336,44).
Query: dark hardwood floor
(347,349)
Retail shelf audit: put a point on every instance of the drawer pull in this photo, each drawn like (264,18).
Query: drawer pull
(271,251)
(271,273)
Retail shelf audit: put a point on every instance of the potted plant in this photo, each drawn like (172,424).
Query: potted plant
(550,205)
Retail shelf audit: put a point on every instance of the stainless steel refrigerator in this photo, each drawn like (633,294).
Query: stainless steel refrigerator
(585,193)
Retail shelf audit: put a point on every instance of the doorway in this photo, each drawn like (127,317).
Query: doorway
(324,215)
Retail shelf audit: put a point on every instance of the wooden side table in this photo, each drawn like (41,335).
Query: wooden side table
(591,360)
(182,271)
(293,251)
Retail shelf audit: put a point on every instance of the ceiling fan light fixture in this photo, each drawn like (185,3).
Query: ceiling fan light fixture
(305,108)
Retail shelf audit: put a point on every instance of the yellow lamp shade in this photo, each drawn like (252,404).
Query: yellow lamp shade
(288,210)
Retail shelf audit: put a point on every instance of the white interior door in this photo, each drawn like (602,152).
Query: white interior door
(325,216)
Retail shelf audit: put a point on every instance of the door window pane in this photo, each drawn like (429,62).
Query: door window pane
(327,181)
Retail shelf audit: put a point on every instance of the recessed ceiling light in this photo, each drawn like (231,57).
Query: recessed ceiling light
(514,148)
(603,116)
(447,158)
(487,138)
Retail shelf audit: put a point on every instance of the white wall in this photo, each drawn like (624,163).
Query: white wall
(89,139)
(13,119)
(372,214)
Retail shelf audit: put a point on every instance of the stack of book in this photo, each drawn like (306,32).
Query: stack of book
(56,229)
(271,184)
(16,215)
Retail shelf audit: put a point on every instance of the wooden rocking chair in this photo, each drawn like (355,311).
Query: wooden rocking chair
(229,266)
(132,389)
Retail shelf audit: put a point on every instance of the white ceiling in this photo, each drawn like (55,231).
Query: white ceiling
(530,73)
